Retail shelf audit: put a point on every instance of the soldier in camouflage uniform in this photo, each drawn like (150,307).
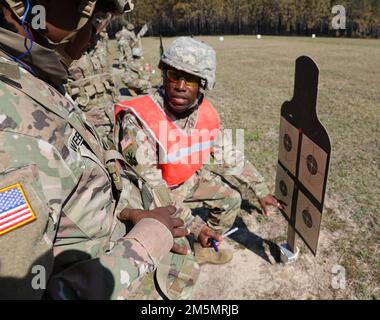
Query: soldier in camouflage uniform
(63,197)
(188,66)
(136,76)
(126,39)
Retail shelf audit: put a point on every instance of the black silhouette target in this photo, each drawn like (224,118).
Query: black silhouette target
(304,156)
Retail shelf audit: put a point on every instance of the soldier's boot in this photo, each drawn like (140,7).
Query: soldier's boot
(209,255)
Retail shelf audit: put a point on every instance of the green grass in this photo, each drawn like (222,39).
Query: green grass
(255,77)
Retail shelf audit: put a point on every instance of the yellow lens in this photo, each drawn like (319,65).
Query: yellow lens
(173,75)
(176,76)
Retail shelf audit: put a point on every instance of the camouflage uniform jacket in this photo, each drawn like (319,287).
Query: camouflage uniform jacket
(141,151)
(76,230)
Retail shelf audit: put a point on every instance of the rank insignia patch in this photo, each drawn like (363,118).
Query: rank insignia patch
(15,209)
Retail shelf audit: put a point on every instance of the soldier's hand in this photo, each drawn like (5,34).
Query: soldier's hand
(206,235)
(165,216)
(269,201)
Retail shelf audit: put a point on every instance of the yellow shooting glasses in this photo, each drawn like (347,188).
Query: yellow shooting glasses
(176,76)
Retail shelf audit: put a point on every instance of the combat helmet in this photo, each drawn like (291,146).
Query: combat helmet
(86,9)
(193,57)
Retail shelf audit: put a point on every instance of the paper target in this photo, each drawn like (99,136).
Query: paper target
(284,190)
(312,167)
(308,221)
(288,148)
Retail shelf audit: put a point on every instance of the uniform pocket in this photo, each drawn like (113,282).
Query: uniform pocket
(90,207)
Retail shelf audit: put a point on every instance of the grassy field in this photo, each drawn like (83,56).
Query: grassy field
(255,77)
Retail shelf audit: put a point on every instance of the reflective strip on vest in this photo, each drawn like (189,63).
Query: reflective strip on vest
(185,152)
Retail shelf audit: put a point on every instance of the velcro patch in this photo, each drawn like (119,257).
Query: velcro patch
(15,209)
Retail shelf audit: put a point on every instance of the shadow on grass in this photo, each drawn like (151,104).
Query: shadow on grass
(246,238)
(254,243)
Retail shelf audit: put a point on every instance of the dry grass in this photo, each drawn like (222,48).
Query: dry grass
(255,77)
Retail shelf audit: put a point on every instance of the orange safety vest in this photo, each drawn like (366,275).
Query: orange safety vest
(181,155)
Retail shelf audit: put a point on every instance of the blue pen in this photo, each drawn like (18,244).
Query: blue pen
(213,242)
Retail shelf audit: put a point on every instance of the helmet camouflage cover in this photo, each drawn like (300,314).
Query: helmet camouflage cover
(193,57)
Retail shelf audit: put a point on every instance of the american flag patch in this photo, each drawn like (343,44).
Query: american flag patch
(15,210)
(126,142)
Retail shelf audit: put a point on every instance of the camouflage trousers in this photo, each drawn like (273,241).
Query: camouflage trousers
(208,190)
(125,52)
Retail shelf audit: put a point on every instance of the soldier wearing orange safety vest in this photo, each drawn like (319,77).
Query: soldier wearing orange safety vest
(182,154)
(168,137)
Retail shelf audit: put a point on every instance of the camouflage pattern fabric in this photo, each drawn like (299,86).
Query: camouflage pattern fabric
(71,194)
(135,77)
(175,275)
(126,41)
(93,88)
(204,189)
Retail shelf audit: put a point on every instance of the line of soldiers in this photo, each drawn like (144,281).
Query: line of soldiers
(135,74)
(99,223)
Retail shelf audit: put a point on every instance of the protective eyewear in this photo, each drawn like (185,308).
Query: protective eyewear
(176,76)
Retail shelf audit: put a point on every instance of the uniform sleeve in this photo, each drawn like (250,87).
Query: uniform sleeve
(115,273)
(26,229)
(84,268)
(235,164)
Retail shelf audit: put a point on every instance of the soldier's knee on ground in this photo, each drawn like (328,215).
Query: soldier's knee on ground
(222,218)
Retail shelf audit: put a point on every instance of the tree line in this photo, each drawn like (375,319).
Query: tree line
(274,17)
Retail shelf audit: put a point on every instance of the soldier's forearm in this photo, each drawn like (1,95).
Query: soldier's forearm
(127,262)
